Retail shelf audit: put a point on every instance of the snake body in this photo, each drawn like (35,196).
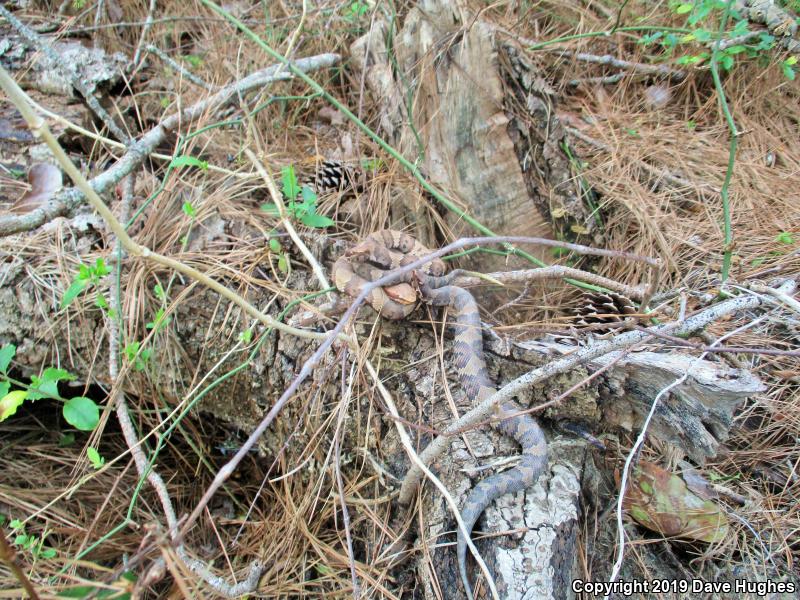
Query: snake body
(392,248)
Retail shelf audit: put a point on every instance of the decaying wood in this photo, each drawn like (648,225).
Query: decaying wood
(539,553)
(484,117)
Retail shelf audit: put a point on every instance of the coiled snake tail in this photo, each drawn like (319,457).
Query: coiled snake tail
(471,367)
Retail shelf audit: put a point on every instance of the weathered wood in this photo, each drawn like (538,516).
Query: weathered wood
(478,120)
(533,561)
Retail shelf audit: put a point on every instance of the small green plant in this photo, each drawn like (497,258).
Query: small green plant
(355,10)
(276,248)
(785,237)
(702,18)
(194,60)
(304,210)
(31,543)
(137,355)
(95,458)
(86,277)
(80,412)
(787,66)
(160,320)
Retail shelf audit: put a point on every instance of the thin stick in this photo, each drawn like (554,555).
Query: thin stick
(67,200)
(698,321)
(40,129)
(552,272)
(408,445)
(35,40)
(388,279)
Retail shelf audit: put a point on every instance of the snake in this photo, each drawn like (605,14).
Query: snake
(389,249)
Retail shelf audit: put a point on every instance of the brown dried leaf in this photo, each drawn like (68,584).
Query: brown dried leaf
(660,501)
(45,180)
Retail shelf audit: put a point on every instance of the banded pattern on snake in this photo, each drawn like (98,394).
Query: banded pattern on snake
(389,249)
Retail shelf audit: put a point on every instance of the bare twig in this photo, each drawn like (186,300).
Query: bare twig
(408,445)
(388,279)
(553,272)
(635,67)
(35,40)
(789,287)
(148,23)
(696,322)
(66,201)
(39,128)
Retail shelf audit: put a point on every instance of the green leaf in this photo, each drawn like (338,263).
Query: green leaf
(159,321)
(274,245)
(5,386)
(95,458)
(315,220)
(82,413)
(188,161)
(792,60)
(159,292)
(73,291)
(15,524)
(289,180)
(101,302)
(10,403)
(131,350)
(246,335)
(788,71)
(56,375)
(682,9)
(42,389)
(188,209)
(785,237)
(271,209)
(702,35)
(726,61)
(66,439)
(374,164)
(48,553)
(100,269)
(193,60)
(309,196)
(283,263)
(735,49)
(7,353)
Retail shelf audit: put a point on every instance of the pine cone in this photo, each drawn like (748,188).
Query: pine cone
(332,176)
(609,308)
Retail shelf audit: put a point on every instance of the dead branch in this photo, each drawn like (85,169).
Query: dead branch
(388,279)
(67,201)
(579,357)
(35,40)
